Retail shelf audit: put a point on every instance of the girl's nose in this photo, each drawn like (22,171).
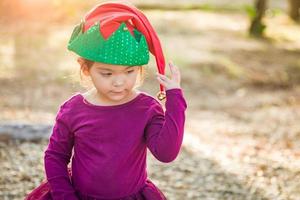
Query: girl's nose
(118,81)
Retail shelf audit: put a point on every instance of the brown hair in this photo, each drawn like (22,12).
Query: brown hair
(141,75)
(89,64)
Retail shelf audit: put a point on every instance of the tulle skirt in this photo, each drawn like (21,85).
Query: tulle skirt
(148,192)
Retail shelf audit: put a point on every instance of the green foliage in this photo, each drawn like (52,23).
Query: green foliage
(273,12)
(250,10)
(252,13)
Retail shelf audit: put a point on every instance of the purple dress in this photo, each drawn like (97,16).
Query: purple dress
(108,147)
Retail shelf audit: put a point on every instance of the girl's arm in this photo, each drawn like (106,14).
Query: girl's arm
(56,159)
(164,132)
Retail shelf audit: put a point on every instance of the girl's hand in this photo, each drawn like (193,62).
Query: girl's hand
(172,83)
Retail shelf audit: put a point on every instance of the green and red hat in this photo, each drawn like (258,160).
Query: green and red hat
(118,34)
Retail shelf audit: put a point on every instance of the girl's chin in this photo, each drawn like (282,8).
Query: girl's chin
(117,96)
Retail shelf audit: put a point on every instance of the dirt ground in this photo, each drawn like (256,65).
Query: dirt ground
(242,138)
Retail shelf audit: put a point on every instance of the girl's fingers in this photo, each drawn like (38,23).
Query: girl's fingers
(171,66)
(173,80)
(174,70)
(161,81)
(168,83)
(163,77)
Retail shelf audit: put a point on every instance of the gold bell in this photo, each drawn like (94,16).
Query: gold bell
(161,95)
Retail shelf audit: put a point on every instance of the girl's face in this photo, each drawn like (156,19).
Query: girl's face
(114,83)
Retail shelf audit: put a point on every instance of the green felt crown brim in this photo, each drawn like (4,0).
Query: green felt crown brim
(120,48)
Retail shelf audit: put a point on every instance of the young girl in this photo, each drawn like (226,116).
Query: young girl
(107,130)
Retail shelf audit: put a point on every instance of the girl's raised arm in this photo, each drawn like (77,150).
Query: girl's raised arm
(164,132)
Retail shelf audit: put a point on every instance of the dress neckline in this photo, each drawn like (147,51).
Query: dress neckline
(102,107)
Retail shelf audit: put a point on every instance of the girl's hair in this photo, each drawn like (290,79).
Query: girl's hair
(89,63)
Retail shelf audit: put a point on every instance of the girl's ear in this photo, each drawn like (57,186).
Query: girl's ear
(83,66)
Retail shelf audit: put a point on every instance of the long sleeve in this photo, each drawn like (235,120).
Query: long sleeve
(56,159)
(164,132)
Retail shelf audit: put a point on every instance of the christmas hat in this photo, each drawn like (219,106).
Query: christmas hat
(116,33)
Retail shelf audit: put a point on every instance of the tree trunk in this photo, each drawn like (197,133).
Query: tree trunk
(294,9)
(257,27)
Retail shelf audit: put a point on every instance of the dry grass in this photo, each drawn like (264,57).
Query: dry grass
(243,94)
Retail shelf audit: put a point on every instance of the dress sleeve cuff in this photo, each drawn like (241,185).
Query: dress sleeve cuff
(175,99)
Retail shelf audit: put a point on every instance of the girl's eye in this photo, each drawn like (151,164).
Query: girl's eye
(130,71)
(106,74)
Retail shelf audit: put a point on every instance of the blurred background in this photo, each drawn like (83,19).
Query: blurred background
(240,65)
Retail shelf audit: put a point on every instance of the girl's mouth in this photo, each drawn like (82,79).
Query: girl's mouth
(117,92)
